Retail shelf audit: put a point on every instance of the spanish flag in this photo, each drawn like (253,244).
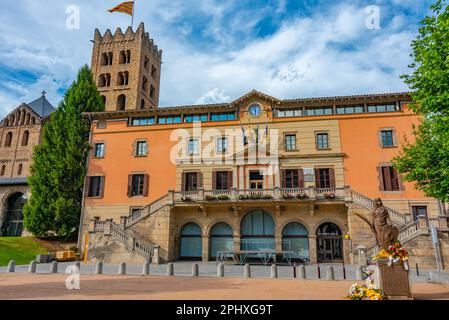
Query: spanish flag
(124,7)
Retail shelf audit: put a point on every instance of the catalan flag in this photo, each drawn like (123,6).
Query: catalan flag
(124,7)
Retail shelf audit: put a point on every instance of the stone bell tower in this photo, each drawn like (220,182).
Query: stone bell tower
(127,69)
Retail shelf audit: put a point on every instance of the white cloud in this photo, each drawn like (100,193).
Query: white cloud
(328,53)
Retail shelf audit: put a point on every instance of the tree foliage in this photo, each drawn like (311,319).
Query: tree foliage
(58,168)
(426,160)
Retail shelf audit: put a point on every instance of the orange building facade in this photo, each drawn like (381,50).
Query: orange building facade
(257,178)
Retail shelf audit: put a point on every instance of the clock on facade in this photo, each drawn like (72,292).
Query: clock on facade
(255,110)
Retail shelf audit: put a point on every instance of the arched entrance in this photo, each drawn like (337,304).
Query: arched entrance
(12,225)
(295,239)
(329,243)
(191,242)
(257,231)
(220,239)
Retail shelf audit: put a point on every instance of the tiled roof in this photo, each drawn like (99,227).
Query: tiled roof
(41,106)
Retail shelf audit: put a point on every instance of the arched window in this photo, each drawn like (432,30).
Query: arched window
(19,170)
(142,104)
(122,78)
(17,118)
(152,91)
(146,63)
(295,239)
(124,55)
(2,170)
(33,120)
(191,242)
(257,231)
(13,119)
(221,239)
(121,102)
(102,81)
(104,59)
(22,117)
(27,119)
(8,139)
(6,122)
(329,242)
(12,225)
(110,57)
(145,84)
(153,71)
(25,138)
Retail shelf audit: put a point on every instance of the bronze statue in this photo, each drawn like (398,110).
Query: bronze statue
(386,234)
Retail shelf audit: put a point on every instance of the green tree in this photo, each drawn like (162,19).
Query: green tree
(426,160)
(58,168)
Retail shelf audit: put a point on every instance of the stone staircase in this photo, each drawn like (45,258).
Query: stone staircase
(133,241)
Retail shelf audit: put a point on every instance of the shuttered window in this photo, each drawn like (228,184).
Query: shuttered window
(389,179)
(222,180)
(138,185)
(292,178)
(192,181)
(94,187)
(325,178)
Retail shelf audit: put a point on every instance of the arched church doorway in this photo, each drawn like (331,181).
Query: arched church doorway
(12,225)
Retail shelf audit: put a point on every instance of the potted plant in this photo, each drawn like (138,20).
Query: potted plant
(223,197)
(287,196)
(267,197)
(186,199)
(302,196)
(243,197)
(329,195)
(210,198)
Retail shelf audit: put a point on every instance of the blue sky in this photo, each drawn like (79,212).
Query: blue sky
(216,51)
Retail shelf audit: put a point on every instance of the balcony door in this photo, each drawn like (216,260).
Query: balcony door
(255,180)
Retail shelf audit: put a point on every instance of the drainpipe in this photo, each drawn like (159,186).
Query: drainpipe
(84,185)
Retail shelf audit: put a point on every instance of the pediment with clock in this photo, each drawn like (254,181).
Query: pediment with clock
(255,107)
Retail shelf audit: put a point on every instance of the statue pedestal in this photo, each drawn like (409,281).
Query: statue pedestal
(393,281)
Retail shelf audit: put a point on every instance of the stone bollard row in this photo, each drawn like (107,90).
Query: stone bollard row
(246,271)
(146,269)
(220,270)
(195,270)
(99,267)
(330,273)
(32,267)
(273,271)
(54,267)
(122,269)
(302,272)
(170,269)
(11,266)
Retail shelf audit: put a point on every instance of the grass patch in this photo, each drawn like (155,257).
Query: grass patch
(20,249)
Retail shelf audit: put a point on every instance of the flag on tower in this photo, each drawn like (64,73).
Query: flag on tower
(124,7)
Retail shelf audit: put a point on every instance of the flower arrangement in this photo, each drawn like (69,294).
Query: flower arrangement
(347,236)
(394,254)
(329,195)
(367,291)
(210,198)
(186,199)
(243,197)
(223,197)
(302,196)
(287,196)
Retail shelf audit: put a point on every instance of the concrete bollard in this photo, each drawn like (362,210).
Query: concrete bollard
(11,266)
(99,268)
(170,269)
(220,270)
(247,271)
(359,273)
(273,271)
(195,270)
(32,267)
(330,273)
(54,267)
(301,272)
(146,269)
(122,268)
